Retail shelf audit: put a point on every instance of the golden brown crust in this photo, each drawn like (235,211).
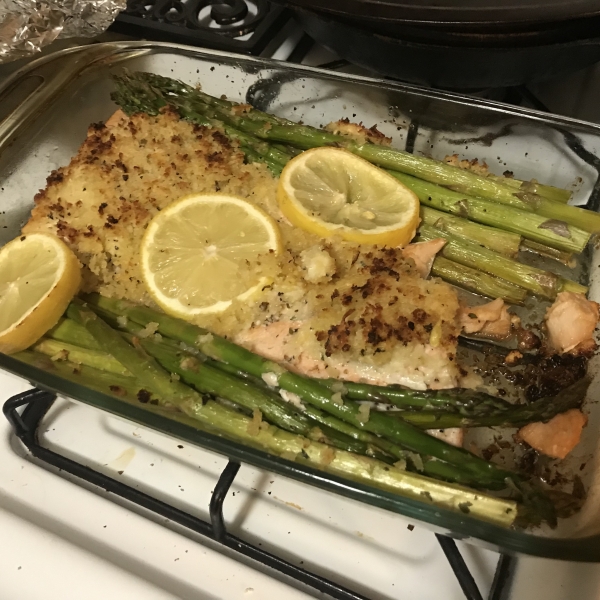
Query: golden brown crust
(389,307)
(124,173)
(372,319)
(358,132)
(468,165)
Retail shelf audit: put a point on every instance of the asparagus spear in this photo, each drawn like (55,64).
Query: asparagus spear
(548,191)
(504,242)
(71,331)
(309,391)
(305,137)
(477,281)
(267,127)
(159,382)
(172,87)
(170,354)
(332,430)
(205,378)
(451,406)
(543,409)
(209,380)
(135,360)
(214,417)
(61,350)
(530,225)
(253,156)
(463,402)
(460,401)
(440,409)
(67,330)
(99,379)
(235,359)
(470,254)
(566,258)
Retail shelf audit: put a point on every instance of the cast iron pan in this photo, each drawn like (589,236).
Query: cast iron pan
(458,13)
(432,59)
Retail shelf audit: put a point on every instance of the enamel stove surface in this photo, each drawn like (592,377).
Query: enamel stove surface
(65,541)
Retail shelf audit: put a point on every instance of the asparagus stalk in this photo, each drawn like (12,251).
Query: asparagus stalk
(60,350)
(168,350)
(136,361)
(442,409)
(566,258)
(477,281)
(398,432)
(173,89)
(548,191)
(458,401)
(470,254)
(208,380)
(254,157)
(504,242)
(430,170)
(173,358)
(99,379)
(528,224)
(566,285)
(466,182)
(214,417)
(230,356)
(215,382)
(67,330)
(323,418)
(543,409)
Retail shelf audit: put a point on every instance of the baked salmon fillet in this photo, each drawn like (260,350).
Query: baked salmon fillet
(332,308)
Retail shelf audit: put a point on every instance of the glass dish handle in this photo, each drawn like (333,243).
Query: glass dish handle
(32,89)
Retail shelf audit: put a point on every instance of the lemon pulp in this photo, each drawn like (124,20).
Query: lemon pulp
(200,253)
(330,191)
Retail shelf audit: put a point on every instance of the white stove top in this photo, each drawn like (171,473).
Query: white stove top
(71,542)
(61,541)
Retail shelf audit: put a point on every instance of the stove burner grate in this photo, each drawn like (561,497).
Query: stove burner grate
(35,404)
(237,25)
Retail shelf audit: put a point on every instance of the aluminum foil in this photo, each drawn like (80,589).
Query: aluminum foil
(26,26)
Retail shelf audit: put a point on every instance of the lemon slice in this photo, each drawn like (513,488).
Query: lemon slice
(39,275)
(329,191)
(200,253)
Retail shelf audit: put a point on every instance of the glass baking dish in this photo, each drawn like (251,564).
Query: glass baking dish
(47,107)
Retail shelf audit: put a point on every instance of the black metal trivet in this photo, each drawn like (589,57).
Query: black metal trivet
(25,411)
(218,24)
